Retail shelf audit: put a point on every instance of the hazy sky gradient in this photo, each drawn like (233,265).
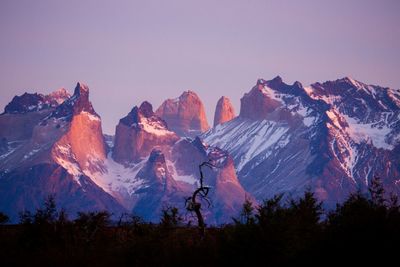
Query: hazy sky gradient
(130,51)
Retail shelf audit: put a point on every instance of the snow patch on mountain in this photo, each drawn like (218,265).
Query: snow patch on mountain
(72,168)
(117,178)
(334,118)
(12,147)
(369,132)
(271,93)
(66,159)
(154,127)
(308,119)
(189,179)
(91,116)
(247,139)
(31,153)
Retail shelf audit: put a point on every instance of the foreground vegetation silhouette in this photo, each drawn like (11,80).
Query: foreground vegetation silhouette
(365,229)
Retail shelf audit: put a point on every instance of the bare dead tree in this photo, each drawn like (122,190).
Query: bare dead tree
(193,203)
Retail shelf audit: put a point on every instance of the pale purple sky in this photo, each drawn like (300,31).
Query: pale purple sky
(130,51)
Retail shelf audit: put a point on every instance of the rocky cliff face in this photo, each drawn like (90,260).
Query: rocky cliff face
(166,169)
(24,112)
(159,189)
(51,145)
(27,188)
(227,194)
(184,115)
(83,142)
(333,137)
(260,101)
(36,102)
(51,153)
(139,133)
(224,111)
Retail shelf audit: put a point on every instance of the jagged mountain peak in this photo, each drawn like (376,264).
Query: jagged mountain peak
(156,175)
(330,137)
(81,88)
(298,84)
(59,95)
(77,103)
(262,100)
(184,115)
(188,93)
(80,100)
(30,102)
(156,155)
(143,115)
(24,103)
(155,170)
(276,80)
(81,91)
(349,130)
(138,133)
(60,91)
(146,109)
(355,98)
(279,86)
(224,111)
(344,83)
(347,79)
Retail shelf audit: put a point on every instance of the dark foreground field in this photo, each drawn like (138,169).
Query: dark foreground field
(365,230)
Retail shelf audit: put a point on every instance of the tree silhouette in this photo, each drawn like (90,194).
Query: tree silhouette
(90,223)
(247,213)
(48,213)
(3,218)
(193,204)
(377,191)
(170,217)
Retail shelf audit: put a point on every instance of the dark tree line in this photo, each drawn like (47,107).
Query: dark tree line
(364,230)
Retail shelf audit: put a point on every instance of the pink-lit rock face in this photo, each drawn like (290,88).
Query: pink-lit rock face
(72,134)
(76,104)
(58,96)
(224,111)
(258,103)
(184,115)
(50,143)
(83,140)
(139,133)
(227,194)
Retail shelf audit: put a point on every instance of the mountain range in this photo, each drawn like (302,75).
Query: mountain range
(331,138)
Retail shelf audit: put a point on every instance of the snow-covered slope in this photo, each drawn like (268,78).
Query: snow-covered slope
(332,137)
